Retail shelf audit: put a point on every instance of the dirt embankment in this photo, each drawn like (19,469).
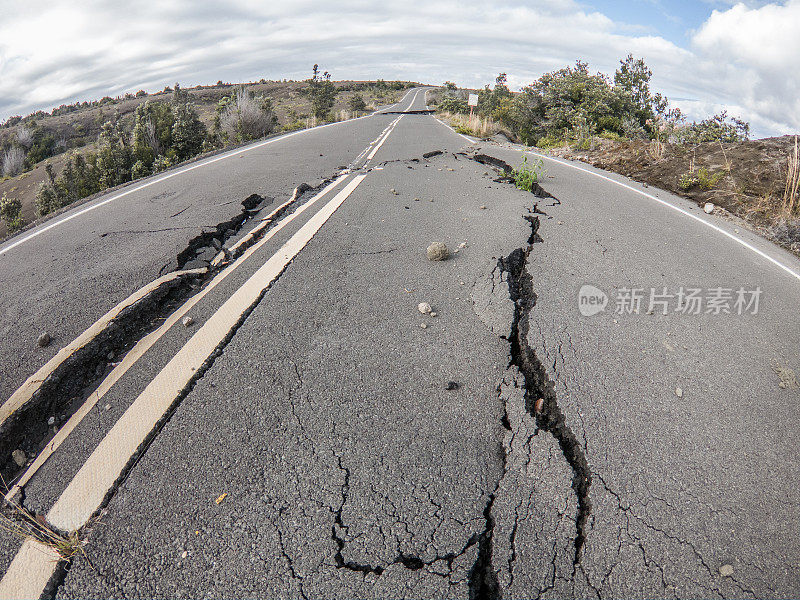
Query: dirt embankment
(747,179)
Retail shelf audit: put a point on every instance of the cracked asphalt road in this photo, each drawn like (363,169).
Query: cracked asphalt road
(348,467)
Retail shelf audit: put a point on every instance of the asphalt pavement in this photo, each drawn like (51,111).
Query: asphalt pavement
(337,442)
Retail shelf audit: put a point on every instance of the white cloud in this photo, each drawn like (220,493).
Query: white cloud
(53,52)
(759,46)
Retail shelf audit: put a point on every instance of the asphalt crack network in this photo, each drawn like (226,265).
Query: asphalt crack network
(409,561)
(539,391)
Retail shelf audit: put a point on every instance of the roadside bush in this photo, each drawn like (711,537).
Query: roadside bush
(453,104)
(115,158)
(80,177)
(11,213)
(152,132)
(243,116)
(188,132)
(322,93)
(718,128)
(46,200)
(574,105)
(702,178)
(13,161)
(356,103)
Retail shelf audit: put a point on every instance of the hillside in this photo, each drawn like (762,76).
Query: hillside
(751,180)
(76,128)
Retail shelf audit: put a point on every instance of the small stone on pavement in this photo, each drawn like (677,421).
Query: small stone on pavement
(679,392)
(424,308)
(437,251)
(423,325)
(726,570)
(451,385)
(708,208)
(188,321)
(43,340)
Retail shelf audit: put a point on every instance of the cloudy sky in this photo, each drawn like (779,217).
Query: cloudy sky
(706,54)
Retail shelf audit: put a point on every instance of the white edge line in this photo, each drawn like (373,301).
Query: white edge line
(697,218)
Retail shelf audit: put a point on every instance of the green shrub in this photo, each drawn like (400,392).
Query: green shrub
(322,93)
(718,128)
(609,135)
(188,131)
(356,103)
(551,141)
(702,178)
(11,213)
(453,104)
(46,200)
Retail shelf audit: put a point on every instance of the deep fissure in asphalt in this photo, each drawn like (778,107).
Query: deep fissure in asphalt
(63,569)
(73,381)
(537,383)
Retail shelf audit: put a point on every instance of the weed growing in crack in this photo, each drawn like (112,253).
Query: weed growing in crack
(22,524)
(527,175)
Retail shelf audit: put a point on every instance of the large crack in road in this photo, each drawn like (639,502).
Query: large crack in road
(64,390)
(539,395)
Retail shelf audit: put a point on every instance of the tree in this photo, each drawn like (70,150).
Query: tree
(492,101)
(179,96)
(152,133)
(718,128)
(115,158)
(559,102)
(322,93)
(11,213)
(188,132)
(632,79)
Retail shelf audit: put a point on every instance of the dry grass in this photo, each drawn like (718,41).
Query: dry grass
(22,524)
(476,126)
(792,183)
(656,150)
(13,160)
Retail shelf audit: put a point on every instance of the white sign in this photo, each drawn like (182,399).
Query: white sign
(473,100)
